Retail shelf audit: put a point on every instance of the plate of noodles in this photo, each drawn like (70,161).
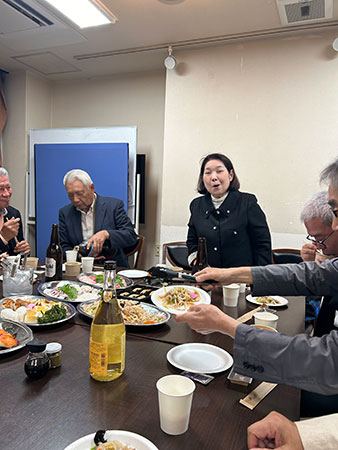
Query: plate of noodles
(178,299)
(134,313)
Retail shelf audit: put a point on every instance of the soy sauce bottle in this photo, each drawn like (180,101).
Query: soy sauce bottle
(54,257)
(202,256)
(37,362)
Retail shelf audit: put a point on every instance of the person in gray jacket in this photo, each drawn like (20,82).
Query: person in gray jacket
(307,363)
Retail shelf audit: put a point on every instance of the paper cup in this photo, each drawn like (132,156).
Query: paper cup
(87,264)
(174,398)
(73,268)
(32,261)
(242,288)
(230,294)
(71,255)
(266,318)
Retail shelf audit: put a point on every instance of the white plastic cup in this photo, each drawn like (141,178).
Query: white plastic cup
(87,264)
(71,255)
(242,288)
(230,294)
(266,318)
(174,398)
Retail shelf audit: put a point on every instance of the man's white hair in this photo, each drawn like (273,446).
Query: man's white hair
(77,174)
(3,172)
(317,206)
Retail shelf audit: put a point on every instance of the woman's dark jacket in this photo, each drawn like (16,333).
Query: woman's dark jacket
(237,233)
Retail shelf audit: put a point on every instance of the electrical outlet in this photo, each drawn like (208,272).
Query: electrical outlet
(157,249)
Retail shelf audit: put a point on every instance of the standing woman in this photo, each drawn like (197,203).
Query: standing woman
(232,222)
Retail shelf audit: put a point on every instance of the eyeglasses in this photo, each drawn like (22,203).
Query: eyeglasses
(335,213)
(319,244)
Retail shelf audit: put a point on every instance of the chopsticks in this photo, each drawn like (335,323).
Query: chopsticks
(257,395)
(247,316)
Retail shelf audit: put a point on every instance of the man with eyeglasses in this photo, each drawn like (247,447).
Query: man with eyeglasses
(11,232)
(322,241)
(322,244)
(302,361)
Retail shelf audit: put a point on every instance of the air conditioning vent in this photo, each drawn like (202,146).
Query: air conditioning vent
(29,12)
(295,11)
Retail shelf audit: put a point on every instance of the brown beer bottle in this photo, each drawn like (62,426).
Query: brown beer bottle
(202,256)
(54,257)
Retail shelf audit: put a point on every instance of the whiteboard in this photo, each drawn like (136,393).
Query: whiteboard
(85,135)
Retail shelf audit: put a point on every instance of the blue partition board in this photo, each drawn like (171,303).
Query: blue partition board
(106,163)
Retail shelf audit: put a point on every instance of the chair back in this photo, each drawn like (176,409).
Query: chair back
(286,256)
(176,253)
(135,249)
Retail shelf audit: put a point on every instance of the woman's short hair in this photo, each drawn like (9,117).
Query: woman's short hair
(317,207)
(77,174)
(234,184)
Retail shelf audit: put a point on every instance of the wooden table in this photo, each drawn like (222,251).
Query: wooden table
(66,404)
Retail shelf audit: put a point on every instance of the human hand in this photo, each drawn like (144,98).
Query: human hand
(97,240)
(225,276)
(208,318)
(22,247)
(10,228)
(308,252)
(274,431)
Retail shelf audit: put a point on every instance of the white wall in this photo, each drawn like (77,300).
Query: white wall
(271,106)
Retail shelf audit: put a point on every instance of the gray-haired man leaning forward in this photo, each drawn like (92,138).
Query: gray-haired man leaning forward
(93,218)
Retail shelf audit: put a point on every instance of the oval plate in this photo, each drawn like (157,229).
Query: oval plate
(133,273)
(53,284)
(70,310)
(125,437)
(148,308)
(200,358)
(204,298)
(22,333)
(83,278)
(281,300)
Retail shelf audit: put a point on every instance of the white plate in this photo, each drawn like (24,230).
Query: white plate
(200,358)
(126,437)
(204,298)
(281,300)
(133,273)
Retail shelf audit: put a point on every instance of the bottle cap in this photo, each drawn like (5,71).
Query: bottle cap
(36,346)
(53,347)
(110,265)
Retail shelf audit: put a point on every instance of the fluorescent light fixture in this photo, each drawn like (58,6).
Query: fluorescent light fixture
(85,13)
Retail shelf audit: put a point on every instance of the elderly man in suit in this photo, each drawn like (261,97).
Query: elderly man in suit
(93,218)
(11,234)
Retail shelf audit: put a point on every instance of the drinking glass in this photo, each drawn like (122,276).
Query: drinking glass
(21,283)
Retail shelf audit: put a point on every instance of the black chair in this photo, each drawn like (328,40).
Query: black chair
(176,253)
(286,256)
(137,248)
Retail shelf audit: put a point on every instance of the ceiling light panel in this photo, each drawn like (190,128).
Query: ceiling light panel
(84,13)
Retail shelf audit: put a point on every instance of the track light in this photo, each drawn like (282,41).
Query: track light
(170,61)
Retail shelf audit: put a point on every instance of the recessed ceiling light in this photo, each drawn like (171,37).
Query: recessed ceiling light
(85,13)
